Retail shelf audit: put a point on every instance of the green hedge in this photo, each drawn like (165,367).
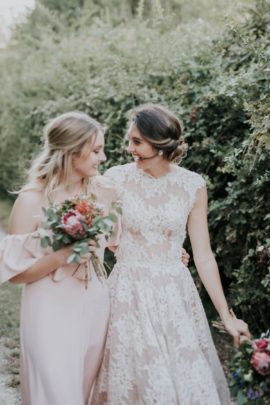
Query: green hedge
(216,80)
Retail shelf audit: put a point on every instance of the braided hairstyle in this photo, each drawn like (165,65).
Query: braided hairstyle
(161,129)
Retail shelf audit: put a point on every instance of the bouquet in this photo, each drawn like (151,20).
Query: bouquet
(250,371)
(75,221)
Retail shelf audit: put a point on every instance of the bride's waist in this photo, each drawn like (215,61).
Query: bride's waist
(145,259)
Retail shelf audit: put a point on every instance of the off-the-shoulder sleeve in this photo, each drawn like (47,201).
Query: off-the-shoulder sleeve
(18,253)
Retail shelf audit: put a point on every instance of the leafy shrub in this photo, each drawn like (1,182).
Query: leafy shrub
(216,80)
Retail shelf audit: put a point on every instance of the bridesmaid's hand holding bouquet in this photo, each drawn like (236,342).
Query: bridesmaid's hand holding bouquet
(74,222)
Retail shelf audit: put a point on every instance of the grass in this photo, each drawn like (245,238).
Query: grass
(10,311)
(9,328)
(5,208)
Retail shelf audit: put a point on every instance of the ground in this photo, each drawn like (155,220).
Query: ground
(9,344)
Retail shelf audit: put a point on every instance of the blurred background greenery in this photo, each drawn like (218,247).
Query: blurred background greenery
(206,60)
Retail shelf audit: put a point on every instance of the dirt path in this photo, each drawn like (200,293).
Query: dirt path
(8,395)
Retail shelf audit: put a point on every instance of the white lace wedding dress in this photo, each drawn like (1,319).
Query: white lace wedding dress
(159,348)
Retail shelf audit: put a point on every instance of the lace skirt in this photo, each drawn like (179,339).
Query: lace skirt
(159,347)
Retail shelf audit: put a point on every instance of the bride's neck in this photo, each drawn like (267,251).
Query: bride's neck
(159,170)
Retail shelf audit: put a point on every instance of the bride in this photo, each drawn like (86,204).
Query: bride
(159,348)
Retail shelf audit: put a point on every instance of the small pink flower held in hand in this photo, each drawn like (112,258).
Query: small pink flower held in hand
(72,223)
(261,362)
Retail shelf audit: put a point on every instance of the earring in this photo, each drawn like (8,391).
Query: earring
(160,152)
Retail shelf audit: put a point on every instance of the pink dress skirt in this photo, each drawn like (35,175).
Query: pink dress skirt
(63,327)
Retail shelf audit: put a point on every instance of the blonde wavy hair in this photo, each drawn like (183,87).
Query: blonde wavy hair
(64,137)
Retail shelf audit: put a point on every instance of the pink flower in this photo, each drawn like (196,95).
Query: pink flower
(261,362)
(260,344)
(72,223)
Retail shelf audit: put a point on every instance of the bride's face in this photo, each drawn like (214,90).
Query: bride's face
(143,153)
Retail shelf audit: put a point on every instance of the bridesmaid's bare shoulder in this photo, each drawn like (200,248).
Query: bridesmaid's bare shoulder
(26,211)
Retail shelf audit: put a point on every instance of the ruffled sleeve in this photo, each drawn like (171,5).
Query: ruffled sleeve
(18,253)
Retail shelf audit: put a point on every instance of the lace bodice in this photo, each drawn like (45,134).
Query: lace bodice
(155,213)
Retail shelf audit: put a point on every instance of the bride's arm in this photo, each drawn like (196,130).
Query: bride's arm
(207,266)
(23,220)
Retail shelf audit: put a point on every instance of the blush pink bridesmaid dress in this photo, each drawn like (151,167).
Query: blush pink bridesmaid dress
(63,325)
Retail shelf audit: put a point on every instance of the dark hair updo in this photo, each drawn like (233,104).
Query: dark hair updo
(161,129)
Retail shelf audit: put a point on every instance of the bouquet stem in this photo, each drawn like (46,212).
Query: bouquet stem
(98,266)
(86,272)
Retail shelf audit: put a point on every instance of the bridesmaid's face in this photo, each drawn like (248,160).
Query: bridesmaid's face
(140,149)
(87,163)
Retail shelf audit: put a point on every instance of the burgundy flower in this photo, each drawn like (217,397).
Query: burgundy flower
(261,362)
(260,344)
(72,223)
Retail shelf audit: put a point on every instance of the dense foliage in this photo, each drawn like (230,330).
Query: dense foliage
(215,77)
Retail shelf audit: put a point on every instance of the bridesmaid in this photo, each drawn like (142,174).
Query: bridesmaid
(63,326)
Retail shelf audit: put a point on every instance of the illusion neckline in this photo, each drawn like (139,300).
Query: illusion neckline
(160,178)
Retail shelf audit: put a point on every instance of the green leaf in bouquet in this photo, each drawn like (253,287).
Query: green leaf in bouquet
(59,236)
(44,225)
(83,249)
(234,389)
(66,240)
(96,221)
(45,242)
(238,355)
(85,226)
(107,229)
(44,210)
(248,376)
(240,398)
(117,207)
(105,224)
(77,259)
(42,232)
(71,258)
(50,213)
(113,217)
(74,258)
(93,231)
(56,245)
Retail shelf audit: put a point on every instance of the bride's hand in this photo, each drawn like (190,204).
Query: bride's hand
(237,328)
(185,257)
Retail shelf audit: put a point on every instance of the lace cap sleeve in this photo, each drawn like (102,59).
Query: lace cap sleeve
(116,177)
(192,182)
(197,183)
